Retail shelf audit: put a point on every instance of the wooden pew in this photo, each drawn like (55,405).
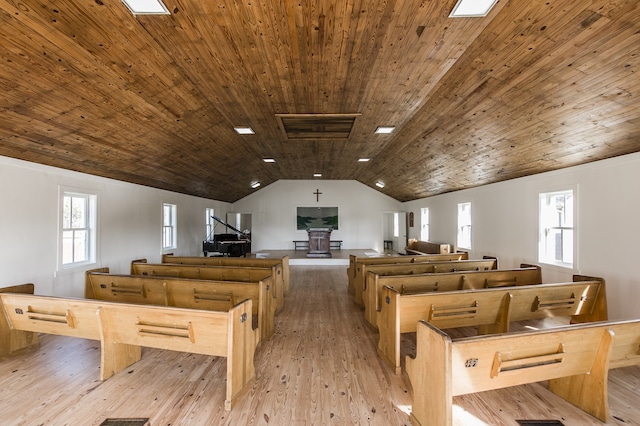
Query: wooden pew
(280,265)
(357,266)
(426,247)
(575,359)
(206,272)
(124,329)
(371,289)
(17,341)
(186,293)
(491,310)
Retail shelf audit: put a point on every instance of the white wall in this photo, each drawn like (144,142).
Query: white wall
(505,224)
(129,225)
(273,210)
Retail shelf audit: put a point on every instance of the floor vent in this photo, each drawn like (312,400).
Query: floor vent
(125,422)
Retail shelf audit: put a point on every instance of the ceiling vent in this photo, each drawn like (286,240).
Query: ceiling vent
(316,126)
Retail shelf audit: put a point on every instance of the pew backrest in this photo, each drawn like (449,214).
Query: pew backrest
(210,272)
(280,264)
(358,265)
(491,310)
(197,294)
(423,265)
(445,281)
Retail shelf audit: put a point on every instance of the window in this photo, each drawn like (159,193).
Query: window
(169,226)
(464,225)
(556,230)
(78,228)
(424,224)
(209,223)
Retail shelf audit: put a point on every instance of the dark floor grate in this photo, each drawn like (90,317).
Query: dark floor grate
(540,423)
(125,422)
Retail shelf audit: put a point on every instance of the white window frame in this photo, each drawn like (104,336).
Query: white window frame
(554,223)
(89,227)
(396,224)
(424,224)
(169,226)
(209,222)
(464,235)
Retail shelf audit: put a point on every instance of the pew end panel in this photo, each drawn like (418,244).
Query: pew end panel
(240,359)
(14,342)
(88,290)
(430,375)
(599,311)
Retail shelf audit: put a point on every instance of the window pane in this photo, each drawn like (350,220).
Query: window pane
(167,237)
(78,212)
(424,220)
(464,225)
(66,212)
(80,240)
(167,215)
(67,247)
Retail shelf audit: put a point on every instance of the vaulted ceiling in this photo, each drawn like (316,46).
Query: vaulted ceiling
(534,86)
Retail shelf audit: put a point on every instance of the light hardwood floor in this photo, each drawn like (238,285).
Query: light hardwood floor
(320,368)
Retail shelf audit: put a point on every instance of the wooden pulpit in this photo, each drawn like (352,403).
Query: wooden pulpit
(319,242)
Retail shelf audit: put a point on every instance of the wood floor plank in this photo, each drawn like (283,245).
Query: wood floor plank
(319,368)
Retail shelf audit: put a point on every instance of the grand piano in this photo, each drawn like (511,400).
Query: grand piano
(227,244)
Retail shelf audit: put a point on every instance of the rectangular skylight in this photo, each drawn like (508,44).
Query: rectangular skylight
(269,160)
(146,7)
(385,130)
(317,175)
(472,8)
(244,130)
(363,160)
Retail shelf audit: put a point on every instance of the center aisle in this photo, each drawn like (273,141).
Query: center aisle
(321,366)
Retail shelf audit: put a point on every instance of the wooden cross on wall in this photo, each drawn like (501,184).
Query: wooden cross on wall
(317,193)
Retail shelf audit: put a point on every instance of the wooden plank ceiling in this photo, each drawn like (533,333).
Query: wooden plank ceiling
(153,100)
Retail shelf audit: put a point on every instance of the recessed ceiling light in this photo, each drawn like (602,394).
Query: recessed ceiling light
(380,184)
(363,160)
(317,175)
(268,160)
(254,185)
(385,130)
(472,8)
(146,7)
(244,130)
